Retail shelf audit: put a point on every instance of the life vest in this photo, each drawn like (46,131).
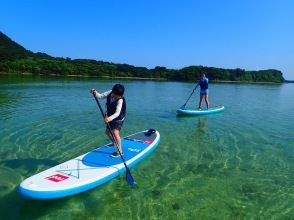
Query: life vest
(203,84)
(111,104)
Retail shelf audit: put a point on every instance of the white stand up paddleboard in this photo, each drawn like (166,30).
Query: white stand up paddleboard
(89,170)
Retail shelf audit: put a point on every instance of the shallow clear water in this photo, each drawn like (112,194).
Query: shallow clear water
(237,164)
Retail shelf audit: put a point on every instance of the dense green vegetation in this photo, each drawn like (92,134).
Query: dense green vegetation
(16,59)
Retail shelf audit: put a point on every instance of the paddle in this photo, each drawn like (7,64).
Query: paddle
(130,180)
(183,106)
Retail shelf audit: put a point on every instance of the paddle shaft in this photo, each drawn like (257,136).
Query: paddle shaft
(112,135)
(189,98)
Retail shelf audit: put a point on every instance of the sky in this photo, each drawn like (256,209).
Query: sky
(246,34)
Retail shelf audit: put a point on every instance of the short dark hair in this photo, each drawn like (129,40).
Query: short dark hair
(118,89)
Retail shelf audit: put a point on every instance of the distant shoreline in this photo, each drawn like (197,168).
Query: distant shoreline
(85,76)
(228,81)
(289,81)
(138,78)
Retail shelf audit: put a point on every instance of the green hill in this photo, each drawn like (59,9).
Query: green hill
(16,59)
(10,50)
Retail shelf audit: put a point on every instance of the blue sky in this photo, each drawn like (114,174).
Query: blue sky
(249,34)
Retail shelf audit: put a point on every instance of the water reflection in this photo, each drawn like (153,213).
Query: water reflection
(202,125)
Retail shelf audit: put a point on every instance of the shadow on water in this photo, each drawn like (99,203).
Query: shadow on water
(186,116)
(30,165)
(167,115)
(13,206)
(195,116)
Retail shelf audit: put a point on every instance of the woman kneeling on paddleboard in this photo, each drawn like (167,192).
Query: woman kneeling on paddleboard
(116,111)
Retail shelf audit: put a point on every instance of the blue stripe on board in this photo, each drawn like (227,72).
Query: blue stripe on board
(101,157)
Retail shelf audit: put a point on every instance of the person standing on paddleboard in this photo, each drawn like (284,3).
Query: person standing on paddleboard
(116,111)
(203,83)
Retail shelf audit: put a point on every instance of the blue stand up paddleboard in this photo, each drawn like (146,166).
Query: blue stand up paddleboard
(201,111)
(89,170)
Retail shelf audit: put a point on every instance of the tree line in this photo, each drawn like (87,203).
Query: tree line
(64,67)
(16,59)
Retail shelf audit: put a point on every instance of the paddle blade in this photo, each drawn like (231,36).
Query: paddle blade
(130,180)
(183,107)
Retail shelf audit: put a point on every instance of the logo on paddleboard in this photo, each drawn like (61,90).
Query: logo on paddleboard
(56,178)
(133,149)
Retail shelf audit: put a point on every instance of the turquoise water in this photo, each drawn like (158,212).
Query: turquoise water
(237,164)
